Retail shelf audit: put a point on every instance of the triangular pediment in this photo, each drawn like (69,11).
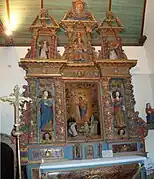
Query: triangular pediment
(43,20)
(111,22)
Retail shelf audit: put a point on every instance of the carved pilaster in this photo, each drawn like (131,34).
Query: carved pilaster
(32,112)
(34,44)
(129,97)
(60,111)
(107,109)
(52,47)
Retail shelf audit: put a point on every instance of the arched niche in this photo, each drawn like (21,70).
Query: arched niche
(6,139)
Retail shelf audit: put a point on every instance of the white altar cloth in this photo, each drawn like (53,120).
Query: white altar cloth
(70,164)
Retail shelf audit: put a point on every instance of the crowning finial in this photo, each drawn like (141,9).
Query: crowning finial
(110,5)
(78,4)
(41,4)
(77,1)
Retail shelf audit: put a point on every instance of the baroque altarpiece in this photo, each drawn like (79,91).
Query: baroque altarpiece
(82,100)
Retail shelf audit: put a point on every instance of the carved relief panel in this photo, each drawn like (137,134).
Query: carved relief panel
(82,110)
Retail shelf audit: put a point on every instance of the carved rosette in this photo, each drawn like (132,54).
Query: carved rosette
(60,111)
(107,109)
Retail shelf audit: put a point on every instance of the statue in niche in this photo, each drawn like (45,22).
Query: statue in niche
(78,12)
(79,39)
(113,52)
(46,112)
(150,113)
(89,152)
(119,109)
(72,127)
(79,107)
(94,125)
(43,49)
(77,151)
(79,50)
(78,155)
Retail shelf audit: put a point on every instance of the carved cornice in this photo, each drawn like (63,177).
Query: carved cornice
(71,64)
(51,67)
(121,62)
(116,68)
(25,63)
(24,60)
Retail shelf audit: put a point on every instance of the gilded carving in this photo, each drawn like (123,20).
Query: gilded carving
(137,126)
(60,110)
(107,109)
(81,72)
(44,42)
(79,24)
(82,99)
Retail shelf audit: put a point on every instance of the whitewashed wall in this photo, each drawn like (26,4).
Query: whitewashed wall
(149,47)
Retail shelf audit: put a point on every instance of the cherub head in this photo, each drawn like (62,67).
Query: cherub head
(116,94)
(47,136)
(121,132)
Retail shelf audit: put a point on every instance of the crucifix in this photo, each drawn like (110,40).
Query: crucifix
(16,99)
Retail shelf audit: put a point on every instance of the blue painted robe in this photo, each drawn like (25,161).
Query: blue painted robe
(46,112)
